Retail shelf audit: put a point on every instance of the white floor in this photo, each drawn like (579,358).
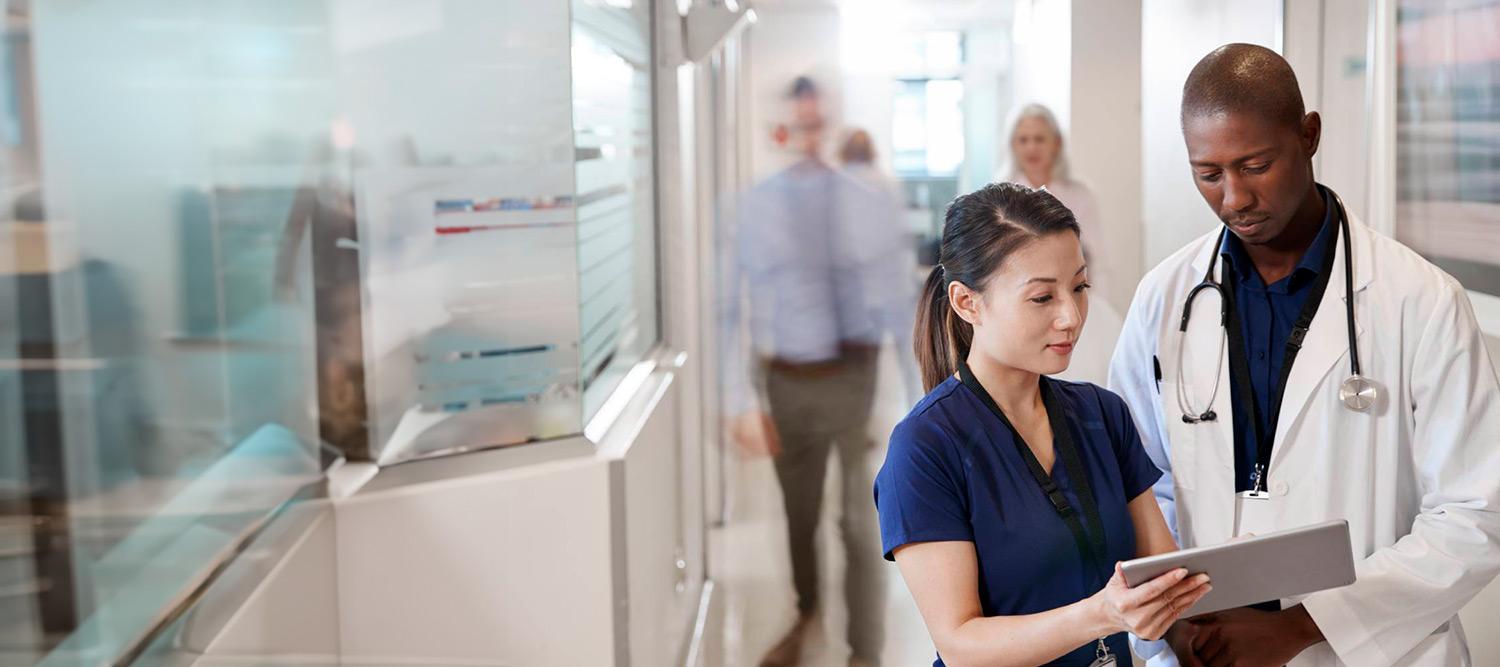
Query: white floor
(750,561)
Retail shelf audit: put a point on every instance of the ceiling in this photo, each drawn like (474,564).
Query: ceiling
(932,12)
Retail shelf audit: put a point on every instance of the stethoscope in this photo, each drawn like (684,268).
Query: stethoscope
(1357,393)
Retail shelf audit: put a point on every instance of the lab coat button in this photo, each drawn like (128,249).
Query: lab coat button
(1281,488)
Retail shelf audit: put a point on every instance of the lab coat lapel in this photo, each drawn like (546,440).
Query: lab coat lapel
(1325,349)
(1202,366)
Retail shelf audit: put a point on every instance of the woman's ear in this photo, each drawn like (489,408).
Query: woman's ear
(964,301)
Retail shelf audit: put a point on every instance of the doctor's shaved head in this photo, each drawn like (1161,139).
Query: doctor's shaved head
(1243,78)
(1250,144)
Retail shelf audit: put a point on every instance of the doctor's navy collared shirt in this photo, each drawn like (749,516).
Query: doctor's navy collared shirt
(1266,314)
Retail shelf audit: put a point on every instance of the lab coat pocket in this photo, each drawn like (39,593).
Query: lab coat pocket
(1181,444)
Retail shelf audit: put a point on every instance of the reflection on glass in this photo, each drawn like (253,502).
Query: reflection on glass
(616,215)
(252,615)
(156,399)
(234,233)
(1448,136)
(465,206)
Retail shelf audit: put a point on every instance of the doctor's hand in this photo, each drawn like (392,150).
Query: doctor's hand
(1252,638)
(755,434)
(1180,638)
(1150,608)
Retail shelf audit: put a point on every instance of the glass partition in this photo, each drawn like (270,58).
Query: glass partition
(158,393)
(508,241)
(241,238)
(612,127)
(466,204)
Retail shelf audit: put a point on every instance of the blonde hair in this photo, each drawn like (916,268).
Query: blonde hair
(1060,171)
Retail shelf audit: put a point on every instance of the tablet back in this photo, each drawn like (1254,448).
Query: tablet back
(1261,568)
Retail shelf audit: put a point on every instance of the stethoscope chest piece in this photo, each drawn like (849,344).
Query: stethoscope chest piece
(1358,393)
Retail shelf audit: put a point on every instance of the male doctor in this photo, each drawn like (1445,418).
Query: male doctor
(1261,419)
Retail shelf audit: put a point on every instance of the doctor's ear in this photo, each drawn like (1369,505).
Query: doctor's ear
(964,301)
(1312,132)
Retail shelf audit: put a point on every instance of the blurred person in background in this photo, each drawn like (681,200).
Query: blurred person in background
(1038,159)
(858,157)
(797,271)
(893,278)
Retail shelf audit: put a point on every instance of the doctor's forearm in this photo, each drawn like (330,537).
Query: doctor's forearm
(1302,630)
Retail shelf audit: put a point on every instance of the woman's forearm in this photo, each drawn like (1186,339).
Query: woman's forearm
(1039,638)
(1152,536)
(1024,640)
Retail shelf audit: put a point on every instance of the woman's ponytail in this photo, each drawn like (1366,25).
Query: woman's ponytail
(941,338)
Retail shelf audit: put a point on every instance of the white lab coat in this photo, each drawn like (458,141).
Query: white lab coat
(1417,477)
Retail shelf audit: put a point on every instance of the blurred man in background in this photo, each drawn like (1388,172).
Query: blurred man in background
(801,278)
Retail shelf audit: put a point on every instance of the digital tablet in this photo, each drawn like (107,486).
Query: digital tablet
(1260,568)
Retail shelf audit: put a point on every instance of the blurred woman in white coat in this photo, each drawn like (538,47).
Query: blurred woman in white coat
(1038,159)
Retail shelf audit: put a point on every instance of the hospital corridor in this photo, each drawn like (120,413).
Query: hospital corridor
(750,333)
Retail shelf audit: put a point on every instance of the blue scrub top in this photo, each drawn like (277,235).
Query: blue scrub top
(953,473)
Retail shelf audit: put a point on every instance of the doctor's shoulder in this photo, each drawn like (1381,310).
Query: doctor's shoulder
(1181,260)
(1166,283)
(1403,275)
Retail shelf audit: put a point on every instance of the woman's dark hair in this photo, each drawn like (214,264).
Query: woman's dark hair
(980,230)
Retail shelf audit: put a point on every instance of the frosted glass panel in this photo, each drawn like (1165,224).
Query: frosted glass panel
(159,394)
(466,209)
(241,238)
(616,215)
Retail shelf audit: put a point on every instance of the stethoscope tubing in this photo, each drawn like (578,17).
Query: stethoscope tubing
(1192,415)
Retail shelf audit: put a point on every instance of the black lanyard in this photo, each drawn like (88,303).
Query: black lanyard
(1090,541)
(1239,364)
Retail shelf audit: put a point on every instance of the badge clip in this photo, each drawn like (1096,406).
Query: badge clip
(1257,485)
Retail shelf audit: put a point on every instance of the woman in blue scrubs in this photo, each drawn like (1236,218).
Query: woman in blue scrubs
(1007,498)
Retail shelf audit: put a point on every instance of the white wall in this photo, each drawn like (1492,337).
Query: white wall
(662,599)
(1326,43)
(1104,147)
(1175,35)
(868,105)
(865,74)
(550,554)
(789,41)
(847,52)
(506,567)
(988,97)
(1042,41)
(869,78)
